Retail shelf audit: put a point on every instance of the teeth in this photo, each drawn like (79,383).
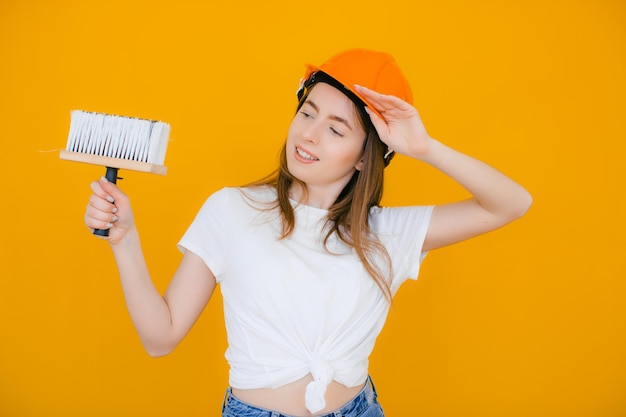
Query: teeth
(306,155)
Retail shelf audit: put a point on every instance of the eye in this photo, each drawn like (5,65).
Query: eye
(305,114)
(336,132)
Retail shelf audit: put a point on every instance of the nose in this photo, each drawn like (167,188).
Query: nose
(311,133)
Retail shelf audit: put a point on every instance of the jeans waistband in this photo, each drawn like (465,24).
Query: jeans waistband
(355,407)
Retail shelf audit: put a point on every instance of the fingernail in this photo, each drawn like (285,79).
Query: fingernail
(114,210)
(109,225)
(110,199)
(104,179)
(115,218)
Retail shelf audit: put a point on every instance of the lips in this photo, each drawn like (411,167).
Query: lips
(305,156)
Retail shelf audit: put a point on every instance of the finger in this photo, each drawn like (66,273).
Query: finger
(379,124)
(111,189)
(110,192)
(95,219)
(101,211)
(99,191)
(97,203)
(383,102)
(378,103)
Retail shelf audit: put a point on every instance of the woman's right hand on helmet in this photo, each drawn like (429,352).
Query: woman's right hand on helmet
(109,208)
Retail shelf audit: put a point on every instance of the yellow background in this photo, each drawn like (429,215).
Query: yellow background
(525,321)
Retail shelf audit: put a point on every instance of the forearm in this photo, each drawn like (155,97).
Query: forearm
(148,310)
(494,191)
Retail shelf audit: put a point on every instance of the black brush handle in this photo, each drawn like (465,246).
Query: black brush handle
(111,176)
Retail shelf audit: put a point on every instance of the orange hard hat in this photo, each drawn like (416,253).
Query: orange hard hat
(375,70)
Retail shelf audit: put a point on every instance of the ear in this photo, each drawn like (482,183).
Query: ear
(359,165)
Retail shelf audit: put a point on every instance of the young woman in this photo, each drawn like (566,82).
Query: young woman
(306,260)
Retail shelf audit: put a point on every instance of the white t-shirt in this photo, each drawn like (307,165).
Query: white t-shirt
(291,306)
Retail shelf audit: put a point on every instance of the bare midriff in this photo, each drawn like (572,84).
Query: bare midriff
(289,399)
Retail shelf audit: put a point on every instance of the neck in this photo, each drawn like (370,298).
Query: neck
(318,197)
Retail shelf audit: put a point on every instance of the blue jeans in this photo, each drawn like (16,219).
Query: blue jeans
(363,405)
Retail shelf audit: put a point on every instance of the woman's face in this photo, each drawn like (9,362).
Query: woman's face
(325,140)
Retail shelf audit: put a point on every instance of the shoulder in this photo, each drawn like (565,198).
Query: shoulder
(220,198)
(233,202)
(261,193)
(400,211)
(235,195)
(384,219)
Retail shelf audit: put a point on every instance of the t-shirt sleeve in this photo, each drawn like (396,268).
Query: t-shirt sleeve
(206,236)
(402,230)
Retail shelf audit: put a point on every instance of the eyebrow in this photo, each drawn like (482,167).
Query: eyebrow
(332,116)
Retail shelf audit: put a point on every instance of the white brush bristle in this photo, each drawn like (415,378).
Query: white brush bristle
(119,137)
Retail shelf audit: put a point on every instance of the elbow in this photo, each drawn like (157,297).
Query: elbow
(528,201)
(157,350)
(156,353)
(517,206)
(522,206)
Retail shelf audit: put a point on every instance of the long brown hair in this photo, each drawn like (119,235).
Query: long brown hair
(348,217)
